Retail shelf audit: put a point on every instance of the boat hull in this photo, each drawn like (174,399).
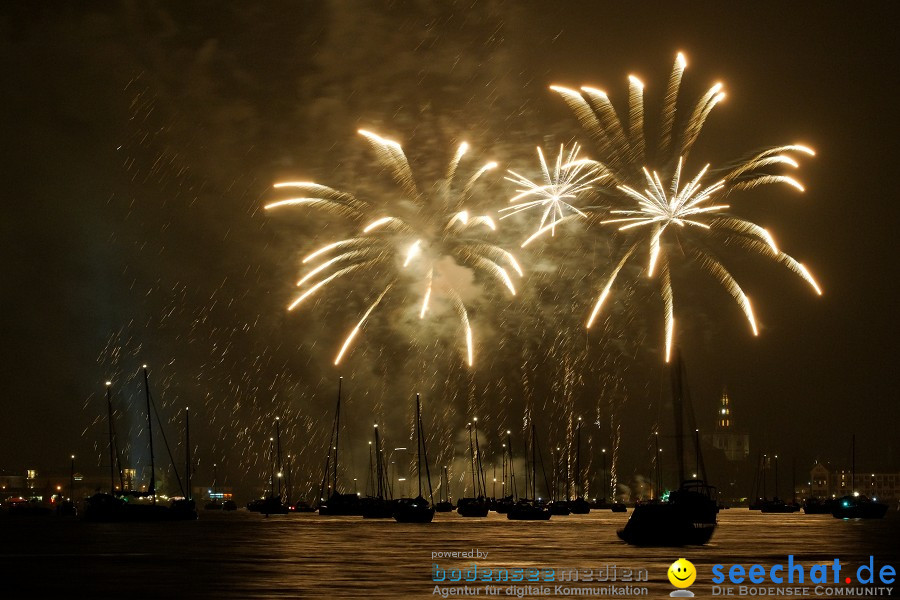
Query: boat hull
(687,519)
(472,507)
(858,508)
(413,511)
(527,512)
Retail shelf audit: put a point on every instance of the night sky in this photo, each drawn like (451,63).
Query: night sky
(141,139)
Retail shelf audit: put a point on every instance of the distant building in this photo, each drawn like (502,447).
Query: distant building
(726,453)
(828,483)
(735,445)
(128,476)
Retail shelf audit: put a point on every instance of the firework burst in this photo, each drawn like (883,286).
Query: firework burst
(561,186)
(668,213)
(410,239)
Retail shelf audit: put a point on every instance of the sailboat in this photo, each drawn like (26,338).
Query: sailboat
(477,505)
(417,510)
(271,503)
(558,506)
(856,505)
(759,480)
(137,506)
(579,506)
(508,476)
(185,508)
(444,505)
(378,506)
(336,503)
(688,516)
(525,510)
(776,504)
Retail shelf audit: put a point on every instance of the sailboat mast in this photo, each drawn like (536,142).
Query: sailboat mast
(479,462)
(418,446)
(793,480)
(678,407)
(533,466)
(112,458)
(152,487)
(271,467)
(605,476)
(472,461)
(776,476)
(379,469)
(512,468)
(697,451)
(853,464)
(656,464)
(187,450)
(578,461)
(337,434)
(278,452)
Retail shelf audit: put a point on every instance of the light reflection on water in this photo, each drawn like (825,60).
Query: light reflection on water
(244,555)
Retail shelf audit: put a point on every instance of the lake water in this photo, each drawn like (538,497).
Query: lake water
(244,555)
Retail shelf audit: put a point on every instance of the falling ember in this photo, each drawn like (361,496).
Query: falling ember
(427,296)
(356,329)
(808,276)
(661,207)
(607,288)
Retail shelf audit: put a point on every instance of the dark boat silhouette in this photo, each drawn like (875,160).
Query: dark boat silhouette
(856,505)
(444,505)
(268,505)
(378,506)
(142,506)
(508,475)
(417,510)
(473,507)
(560,508)
(525,510)
(336,503)
(302,506)
(816,506)
(216,503)
(272,502)
(776,505)
(688,515)
(603,503)
(578,506)
(687,518)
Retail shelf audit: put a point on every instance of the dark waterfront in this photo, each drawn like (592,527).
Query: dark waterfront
(244,555)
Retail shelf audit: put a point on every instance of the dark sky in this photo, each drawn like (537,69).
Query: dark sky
(140,140)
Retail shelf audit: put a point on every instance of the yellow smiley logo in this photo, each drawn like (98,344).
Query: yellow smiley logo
(682,573)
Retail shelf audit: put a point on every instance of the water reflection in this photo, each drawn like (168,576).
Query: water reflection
(241,555)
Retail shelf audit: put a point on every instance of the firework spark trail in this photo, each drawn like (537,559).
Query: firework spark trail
(673,215)
(410,241)
(356,329)
(561,187)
